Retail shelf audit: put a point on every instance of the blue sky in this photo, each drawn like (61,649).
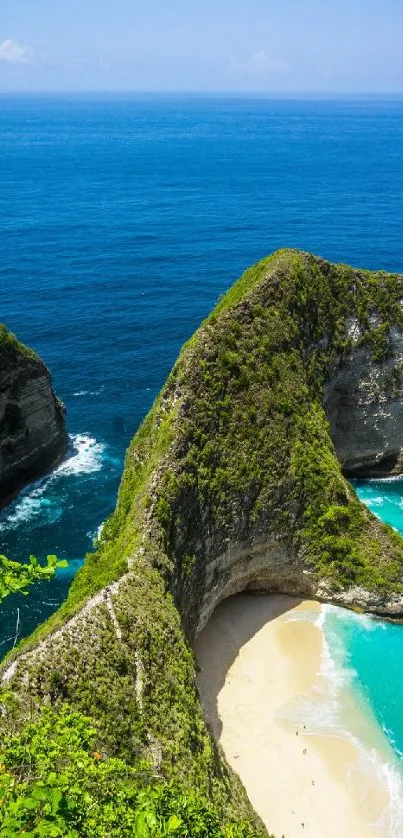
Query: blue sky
(209,45)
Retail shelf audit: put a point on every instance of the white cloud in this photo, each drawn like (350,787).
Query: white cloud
(260,64)
(13,53)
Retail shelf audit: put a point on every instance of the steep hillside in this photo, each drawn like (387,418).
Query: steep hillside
(233,482)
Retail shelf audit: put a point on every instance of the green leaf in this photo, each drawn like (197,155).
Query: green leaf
(173,823)
(141,829)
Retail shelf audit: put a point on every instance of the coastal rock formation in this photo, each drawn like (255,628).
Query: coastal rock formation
(33,435)
(233,482)
(364,405)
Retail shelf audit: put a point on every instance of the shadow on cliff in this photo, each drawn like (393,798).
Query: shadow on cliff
(233,623)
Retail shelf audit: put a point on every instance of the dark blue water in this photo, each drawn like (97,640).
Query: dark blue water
(122,222)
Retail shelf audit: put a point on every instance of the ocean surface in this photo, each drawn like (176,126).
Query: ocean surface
(123,220)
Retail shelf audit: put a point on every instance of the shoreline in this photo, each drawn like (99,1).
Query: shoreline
(261,687)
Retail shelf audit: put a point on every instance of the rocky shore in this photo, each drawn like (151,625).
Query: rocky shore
(33,436)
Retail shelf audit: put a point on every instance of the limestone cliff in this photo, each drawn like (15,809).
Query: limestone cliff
(232,483)
(33,435)
(364,405)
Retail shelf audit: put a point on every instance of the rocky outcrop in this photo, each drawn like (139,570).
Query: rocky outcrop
(364,405)
(33,435)
(234,481)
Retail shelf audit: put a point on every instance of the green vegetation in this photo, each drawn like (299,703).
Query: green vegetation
(55,782)
(16,577)
(251,377)
(139,689)
(255,436)
(10,345)
(236,449)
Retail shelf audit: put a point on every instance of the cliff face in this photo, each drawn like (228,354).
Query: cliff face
(233,482)
(33,435)
(364,405)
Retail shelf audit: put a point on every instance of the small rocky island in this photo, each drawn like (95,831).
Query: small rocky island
(235,481)
(33,436)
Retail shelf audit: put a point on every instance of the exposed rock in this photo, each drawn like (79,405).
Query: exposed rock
(233,483)
(359,599)
(265,566)
(364,405)
(33,435)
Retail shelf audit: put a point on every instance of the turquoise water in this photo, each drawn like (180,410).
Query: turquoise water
(384,498)
(363,671)
(364,660)
(375,648)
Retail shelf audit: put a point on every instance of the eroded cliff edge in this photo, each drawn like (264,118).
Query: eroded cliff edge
(233,482)
(33,436)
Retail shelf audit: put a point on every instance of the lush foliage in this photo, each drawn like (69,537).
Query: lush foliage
(55,782)
(16,577)
(9,344)
(236,448)
(249,378)
(253,452)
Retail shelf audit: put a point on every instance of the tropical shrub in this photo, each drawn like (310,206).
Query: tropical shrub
(16,577)
(55,782)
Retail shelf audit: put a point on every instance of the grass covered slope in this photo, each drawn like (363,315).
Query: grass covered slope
(11,346)
(238,446)
(232,480)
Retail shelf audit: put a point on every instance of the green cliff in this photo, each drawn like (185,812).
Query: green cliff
(232,482)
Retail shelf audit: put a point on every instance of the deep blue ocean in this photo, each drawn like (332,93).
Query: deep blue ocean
(122,222)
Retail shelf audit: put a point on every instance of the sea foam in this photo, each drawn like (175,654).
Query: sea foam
(377,761)
(84,456)
(336,707)
(330,713)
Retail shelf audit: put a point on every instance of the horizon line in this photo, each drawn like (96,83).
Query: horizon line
(298,94)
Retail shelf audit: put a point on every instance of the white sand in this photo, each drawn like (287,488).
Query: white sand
(252,663)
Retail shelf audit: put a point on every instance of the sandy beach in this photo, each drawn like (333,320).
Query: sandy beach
(255,664)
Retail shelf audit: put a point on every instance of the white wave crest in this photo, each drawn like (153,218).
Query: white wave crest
(80,393)
(99,530)
(95,535)
(327,708)
(378,501)
(319,710)
(29,506)
(394,478)
(339,677)
(389,776)
(334,666)
(85,455)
